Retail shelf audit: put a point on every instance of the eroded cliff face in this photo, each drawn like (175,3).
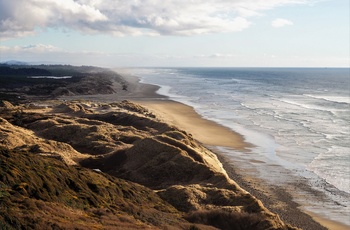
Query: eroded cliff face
(126,141)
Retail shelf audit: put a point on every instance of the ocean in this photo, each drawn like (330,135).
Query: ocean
(297,120)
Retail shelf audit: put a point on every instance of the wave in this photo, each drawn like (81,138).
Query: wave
(311,106)
(49,77)
(335,174)
(338,99)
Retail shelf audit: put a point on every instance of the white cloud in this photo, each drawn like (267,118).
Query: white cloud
(37,48)
(216,55)
(43,53)
(134,17)
(281,22)
(23,17)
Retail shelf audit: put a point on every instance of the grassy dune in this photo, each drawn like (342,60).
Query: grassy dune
(97,165)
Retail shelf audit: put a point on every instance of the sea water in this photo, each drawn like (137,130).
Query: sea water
(297,119)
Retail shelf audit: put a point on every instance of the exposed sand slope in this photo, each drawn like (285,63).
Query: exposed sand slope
(15,137)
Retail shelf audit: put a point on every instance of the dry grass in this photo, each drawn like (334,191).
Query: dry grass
(228,220)
(46,193)
(41,193)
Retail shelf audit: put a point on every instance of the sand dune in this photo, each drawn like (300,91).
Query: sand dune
(127,141)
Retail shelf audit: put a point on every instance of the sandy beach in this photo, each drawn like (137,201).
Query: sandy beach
(205,131)
(211,134)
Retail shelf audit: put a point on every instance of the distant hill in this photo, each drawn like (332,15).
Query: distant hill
(29,82)
(30,71)
(14,62)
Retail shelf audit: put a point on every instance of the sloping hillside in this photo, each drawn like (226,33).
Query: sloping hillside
(46,182)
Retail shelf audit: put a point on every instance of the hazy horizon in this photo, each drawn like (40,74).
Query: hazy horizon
(177,33)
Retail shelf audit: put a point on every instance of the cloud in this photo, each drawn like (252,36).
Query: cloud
(22,17)
(45,53)
(281,22)
(48,54)
(216,55)
(135,17)
(37,48)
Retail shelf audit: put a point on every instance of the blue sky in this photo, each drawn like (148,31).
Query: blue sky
(234,33)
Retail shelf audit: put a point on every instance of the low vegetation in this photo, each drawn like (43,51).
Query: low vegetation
(89,165)
(28,83)
(44,193)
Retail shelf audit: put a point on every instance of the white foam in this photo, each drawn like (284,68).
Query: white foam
(49,77)
(339,99)
(306,106)
(335,174)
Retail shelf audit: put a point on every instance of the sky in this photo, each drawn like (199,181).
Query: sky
(176,33)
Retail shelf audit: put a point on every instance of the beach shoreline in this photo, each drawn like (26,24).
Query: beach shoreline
(277,199)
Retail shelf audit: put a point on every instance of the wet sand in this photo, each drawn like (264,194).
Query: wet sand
(205,131)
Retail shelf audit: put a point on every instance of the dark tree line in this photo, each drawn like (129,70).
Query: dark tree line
(9,71)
